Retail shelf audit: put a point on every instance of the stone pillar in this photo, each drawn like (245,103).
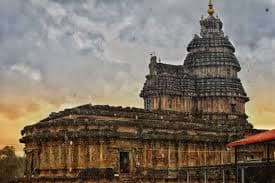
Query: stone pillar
(28,153)
(187,177)
(223,176)
(242,175)
(70,156)
(205,176)
(36,158)
(101,152)
(145,155)
(205,154)
(87,152)
(169,155)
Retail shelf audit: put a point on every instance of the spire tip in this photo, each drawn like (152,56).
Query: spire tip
(210,8)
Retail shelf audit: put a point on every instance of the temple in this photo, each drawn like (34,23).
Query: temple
(207,83)
(191,112)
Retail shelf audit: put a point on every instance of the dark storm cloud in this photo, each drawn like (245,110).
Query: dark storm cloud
(93,49)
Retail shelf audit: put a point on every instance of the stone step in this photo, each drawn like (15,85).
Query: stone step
(126,179)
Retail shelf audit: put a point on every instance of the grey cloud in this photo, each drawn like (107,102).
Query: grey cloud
(247,21)
(100,48)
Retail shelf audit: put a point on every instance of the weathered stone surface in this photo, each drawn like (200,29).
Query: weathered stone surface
(206,83)
(191,112)
(87,139)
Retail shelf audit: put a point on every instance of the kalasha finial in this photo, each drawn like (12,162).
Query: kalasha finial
(211,10)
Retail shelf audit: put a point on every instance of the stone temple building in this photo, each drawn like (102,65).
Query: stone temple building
(191,112)
(207,82)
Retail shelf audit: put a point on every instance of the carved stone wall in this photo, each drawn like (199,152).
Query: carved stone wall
(171,103)
(145,156)
(221,105)
(84,143)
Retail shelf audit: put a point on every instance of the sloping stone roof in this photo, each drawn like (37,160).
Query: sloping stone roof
(230,87)
(207,42)
(167,79)
(205,58)
(87,121)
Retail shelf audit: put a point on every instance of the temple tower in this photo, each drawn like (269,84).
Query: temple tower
(212,62)
(206,84)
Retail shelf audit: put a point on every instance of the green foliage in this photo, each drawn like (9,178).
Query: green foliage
(11,166)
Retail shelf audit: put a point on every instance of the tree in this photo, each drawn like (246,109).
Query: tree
(11,166)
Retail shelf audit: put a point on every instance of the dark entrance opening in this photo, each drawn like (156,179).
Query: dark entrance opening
(233,108)
(124,162)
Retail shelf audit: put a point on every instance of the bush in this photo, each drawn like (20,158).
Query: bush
(11,166)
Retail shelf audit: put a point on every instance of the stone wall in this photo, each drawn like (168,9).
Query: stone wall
(171,103)
(221,105)
(81,141)
(59,158)
(69,159)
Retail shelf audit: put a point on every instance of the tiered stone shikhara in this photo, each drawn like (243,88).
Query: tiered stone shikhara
(206,84)
(191,112)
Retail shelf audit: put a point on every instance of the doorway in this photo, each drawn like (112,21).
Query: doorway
(124,162)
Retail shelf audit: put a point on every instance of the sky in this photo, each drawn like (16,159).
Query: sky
(56,54)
